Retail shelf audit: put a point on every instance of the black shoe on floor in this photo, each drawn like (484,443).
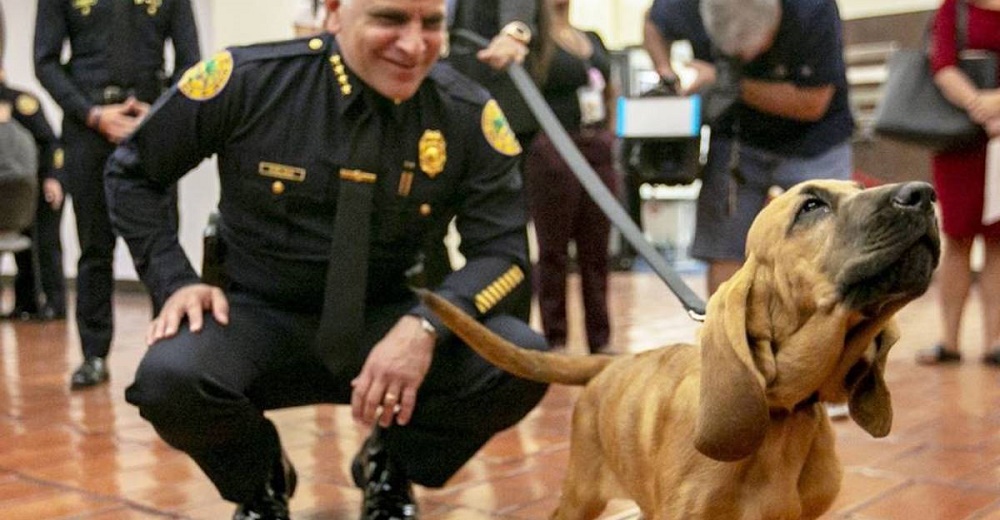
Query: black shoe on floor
(388,493)
(272,501)
(21,314)
(91,372)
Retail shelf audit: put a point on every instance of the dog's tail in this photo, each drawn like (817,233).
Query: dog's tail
(534,365)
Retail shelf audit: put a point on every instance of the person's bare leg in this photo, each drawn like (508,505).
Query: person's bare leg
(954,278)
(989,291)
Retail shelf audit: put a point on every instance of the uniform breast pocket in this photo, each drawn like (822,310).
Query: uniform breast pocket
(282,188)
(295,182)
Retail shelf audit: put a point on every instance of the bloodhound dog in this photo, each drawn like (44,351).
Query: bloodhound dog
(734,427)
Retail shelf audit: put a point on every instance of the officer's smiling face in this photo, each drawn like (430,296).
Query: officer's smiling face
(390,44)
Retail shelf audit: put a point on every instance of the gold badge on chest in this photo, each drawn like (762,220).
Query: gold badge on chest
(433,152)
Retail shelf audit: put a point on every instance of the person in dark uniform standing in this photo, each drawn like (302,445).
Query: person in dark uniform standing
(40,285)
(116,68)
(339,156)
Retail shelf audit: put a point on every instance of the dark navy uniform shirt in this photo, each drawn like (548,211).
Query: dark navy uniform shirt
(807,51)
(280,119)
(88,26)
(26,110)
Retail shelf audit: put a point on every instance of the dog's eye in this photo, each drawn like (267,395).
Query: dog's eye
(813,205)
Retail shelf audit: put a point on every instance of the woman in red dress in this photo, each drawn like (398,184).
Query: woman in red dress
(959,177)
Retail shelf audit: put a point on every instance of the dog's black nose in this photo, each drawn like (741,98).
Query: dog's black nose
(914,195)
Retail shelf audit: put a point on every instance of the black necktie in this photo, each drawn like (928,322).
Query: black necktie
(122,43)
(343,319)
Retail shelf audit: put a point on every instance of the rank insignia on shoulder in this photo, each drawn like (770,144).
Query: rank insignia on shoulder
(58,159)
(497,130)
(205,80)
(26,105)
(433,152)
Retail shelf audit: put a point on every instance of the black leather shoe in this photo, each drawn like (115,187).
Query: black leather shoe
(21,314)
(272,501)
(388,493)
(92,372)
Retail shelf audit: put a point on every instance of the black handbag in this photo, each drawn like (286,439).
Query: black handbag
(913,110)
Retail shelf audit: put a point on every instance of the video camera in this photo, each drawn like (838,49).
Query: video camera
(661,136)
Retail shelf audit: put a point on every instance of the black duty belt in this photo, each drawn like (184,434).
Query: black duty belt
(112,94)
(606,200)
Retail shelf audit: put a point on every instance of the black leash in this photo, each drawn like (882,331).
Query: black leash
(601,195)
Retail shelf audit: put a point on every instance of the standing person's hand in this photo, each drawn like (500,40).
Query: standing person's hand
(502,51)
(985,106)
(117,121)
(53,192)
(993,127)
(392,374)
(189,302)
(704,77)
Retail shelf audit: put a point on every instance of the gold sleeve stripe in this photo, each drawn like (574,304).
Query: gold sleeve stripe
(499,289)
(358,176)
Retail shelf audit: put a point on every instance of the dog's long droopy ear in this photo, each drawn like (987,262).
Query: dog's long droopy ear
(732,414)
(869,401)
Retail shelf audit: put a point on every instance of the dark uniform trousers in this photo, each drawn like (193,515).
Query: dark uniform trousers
(205,393)
(86,153)
(562,211)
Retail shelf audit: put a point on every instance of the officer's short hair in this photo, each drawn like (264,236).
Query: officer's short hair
(734,24)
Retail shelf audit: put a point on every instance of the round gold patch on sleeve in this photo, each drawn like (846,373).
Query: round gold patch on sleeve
(205,80)
(497,130)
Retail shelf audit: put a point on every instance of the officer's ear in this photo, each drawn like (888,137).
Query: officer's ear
(332,23)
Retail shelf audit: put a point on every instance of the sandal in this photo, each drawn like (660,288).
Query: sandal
(938,355)
(992,357)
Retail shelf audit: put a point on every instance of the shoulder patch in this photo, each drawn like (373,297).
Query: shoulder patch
(26,105)
(497,130)
(206,79)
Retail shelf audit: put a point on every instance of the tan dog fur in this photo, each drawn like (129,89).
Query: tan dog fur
(735,428)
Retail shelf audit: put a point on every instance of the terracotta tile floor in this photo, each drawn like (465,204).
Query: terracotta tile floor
(88,455)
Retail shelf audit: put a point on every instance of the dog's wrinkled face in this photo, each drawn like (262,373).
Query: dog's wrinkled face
(809,314)
(871,246)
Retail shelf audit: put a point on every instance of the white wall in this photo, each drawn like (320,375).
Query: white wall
(228,22)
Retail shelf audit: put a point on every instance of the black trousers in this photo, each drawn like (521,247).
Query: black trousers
(40,278)
(206,393)
(86,153)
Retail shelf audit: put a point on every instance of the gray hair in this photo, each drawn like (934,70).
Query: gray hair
(734,25)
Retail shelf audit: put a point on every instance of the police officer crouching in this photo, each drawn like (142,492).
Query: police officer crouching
(339,157)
